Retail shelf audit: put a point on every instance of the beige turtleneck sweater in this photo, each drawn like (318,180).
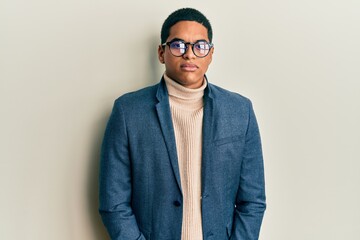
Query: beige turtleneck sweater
(186,107)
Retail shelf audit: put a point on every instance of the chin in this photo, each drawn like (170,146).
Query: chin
(190,78)
(191,82)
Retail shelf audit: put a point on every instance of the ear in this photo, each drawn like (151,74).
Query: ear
(161,52)
(210,54)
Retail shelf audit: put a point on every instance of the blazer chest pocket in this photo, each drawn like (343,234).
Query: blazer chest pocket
(227,140)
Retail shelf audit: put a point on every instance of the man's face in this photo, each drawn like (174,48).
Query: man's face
(188,70)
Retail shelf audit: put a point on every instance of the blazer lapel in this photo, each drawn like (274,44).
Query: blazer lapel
(165,119)
(208,133)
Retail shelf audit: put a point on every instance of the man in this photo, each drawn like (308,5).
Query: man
(182,159)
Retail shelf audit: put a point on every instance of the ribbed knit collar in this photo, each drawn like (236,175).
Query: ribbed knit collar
(179,91)
(182,97)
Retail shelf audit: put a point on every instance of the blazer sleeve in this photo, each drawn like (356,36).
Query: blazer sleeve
(115,181)
(250,199)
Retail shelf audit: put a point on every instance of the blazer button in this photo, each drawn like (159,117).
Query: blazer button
(177,203)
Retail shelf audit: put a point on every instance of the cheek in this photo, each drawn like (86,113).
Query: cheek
(168,56)
(205,65)
(170,62)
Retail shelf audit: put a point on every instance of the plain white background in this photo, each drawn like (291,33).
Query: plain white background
(63,63)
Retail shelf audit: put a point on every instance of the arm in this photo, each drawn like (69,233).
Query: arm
(250,199)
(115,181)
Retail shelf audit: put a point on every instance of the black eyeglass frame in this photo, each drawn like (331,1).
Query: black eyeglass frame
(211,45)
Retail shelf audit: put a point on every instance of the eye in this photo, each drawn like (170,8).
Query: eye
(177,45)
(202,46)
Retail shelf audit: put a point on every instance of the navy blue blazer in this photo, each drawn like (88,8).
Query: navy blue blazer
(140,190)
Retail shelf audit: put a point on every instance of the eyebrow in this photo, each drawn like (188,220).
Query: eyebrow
(179,39)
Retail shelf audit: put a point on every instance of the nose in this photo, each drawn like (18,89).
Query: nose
(189,54)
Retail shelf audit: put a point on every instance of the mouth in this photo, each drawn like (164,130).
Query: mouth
(189,67)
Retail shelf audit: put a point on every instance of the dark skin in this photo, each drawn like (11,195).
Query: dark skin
(187,70)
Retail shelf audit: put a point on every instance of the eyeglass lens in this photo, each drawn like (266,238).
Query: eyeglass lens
(200,49)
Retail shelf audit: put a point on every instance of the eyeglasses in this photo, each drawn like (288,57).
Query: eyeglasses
(178,48)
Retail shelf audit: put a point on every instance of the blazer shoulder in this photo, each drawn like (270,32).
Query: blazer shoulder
(225,96)
(138,98)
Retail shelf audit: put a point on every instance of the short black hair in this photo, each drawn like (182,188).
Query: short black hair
(184,14)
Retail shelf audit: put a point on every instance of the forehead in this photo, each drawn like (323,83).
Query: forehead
(189,31)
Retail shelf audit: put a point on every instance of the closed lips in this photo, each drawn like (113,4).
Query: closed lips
(189,67)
